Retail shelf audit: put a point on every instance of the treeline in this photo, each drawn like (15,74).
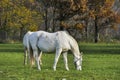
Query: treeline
(86,20)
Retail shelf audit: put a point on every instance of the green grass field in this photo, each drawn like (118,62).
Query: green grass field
(100,62)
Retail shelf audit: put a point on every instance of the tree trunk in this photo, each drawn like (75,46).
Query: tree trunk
(86,33)
(61,28)
(53,29)
(96,31)
(61,18)
(46,20)
(21,33)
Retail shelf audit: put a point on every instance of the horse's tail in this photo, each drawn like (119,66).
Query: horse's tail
(28,44)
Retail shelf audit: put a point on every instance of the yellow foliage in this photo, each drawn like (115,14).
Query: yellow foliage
(33,28)
(31,1)
(4,3)
(79,26)
(83,5)
(92,14)
(64,24)
(17,15)
(117,18)
(115,27)
(10,24)
(109,1)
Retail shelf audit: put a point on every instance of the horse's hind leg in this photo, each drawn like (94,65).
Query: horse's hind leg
(35,53)
(40,56)
(25,56)
(32,61)
(57,55)
(65,60)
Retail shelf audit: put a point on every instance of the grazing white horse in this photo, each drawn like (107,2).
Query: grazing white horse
(59,42)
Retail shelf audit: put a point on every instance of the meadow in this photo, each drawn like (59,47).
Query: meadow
(100,62)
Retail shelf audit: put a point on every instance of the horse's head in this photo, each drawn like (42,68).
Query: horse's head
(78,62)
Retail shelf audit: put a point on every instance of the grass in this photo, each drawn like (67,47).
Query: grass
(100,62)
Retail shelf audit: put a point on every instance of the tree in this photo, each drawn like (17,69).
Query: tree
(116,7)
(102,14)
(17,17)
(116,10)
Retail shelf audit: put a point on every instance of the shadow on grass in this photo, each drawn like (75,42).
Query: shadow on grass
(101,49)
(85,48)
(11,50)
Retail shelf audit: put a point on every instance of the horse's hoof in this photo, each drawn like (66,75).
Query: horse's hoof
(39,69)
(54,69)
(67,69)
(40,63)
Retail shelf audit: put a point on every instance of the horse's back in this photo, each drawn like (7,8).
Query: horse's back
(47,42)
(36,34)
(33,38)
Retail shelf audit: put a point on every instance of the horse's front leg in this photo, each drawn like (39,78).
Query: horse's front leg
(65,60)
(57,55)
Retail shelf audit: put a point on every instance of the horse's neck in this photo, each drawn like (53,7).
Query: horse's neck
(74,47)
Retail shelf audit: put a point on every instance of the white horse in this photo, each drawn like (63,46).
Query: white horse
(59,42)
